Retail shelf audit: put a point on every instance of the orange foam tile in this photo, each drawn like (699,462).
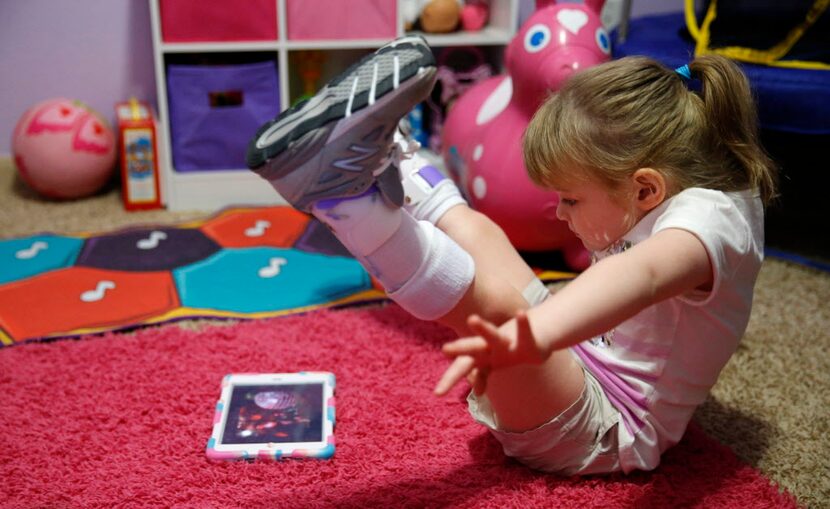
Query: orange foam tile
(78,298)
(272,226)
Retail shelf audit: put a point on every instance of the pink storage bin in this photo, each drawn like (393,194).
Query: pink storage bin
(218,20)
(341,19)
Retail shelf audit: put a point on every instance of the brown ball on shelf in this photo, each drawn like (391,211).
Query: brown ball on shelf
(440,16)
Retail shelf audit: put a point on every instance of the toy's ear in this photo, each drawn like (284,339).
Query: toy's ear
(649,188)
(595,5)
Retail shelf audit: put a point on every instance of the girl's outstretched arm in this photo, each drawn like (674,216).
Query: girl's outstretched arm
(669,263)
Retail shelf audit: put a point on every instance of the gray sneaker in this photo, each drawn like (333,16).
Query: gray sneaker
(339,142)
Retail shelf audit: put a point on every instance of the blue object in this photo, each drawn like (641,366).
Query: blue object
(796,258)
(416,124)
(29,256)
(684,71)
(793,100)
(268,279)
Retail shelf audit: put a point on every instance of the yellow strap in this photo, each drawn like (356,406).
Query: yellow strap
(702,46)
(691,19)
(771,56)
(782,48)
(745,55)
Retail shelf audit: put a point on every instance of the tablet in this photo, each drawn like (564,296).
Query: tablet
(274,416)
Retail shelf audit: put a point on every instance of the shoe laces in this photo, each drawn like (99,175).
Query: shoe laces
(402,147)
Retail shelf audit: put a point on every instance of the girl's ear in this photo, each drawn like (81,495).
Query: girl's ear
(649,188)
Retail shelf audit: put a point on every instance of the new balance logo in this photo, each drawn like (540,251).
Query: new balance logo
(352,163)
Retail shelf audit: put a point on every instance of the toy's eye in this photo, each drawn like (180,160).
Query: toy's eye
(603,41)
(536,38)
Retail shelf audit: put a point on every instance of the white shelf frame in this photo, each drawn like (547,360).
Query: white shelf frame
(216,189)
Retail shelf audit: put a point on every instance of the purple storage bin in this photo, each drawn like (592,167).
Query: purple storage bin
(216,110)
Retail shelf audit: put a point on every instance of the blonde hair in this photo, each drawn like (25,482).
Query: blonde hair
(611,119)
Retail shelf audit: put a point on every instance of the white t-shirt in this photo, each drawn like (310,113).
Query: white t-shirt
(659,365)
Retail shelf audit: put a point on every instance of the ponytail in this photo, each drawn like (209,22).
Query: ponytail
(611,119)
(729,112)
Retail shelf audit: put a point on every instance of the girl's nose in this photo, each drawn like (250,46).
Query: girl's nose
(561,211)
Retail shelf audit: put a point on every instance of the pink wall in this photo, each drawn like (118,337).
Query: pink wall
(97,51)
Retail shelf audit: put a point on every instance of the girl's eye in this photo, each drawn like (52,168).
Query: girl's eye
(568,202)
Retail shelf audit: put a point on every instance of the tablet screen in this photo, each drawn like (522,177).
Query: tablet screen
(275,413)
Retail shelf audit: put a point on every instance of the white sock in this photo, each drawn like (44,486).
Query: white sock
(428,193)
(386,239)
(394,262)
(420,267)
(362,223)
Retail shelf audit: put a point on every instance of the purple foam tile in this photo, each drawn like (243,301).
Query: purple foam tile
(147,249)
(317,238)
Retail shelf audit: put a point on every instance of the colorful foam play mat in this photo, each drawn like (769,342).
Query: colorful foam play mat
(241,263)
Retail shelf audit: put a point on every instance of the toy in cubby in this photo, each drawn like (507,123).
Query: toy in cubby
(459,68)
(310,68)
(63,149)
(442,16)
(482,134)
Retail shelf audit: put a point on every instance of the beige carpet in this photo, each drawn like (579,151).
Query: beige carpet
(770,404)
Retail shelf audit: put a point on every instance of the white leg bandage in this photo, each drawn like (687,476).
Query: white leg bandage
(443,277)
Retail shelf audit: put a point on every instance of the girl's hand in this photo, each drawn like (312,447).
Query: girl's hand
(493,348)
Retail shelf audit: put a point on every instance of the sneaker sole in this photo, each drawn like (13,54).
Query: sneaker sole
(345,157)
(358,86)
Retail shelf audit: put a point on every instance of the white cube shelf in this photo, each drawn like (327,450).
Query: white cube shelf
(212,190)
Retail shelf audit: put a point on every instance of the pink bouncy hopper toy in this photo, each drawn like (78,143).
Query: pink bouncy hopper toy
(63,149)
(482,135)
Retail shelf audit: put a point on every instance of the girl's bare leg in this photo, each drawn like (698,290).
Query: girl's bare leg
(522,397)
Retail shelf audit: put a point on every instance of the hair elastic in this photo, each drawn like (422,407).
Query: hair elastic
(684,72)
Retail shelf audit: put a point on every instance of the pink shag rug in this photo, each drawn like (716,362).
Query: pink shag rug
(122,420)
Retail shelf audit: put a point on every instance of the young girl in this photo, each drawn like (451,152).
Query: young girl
(664,184)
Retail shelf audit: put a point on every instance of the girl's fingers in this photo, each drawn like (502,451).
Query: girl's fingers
(465,346)
(484,328)
(459,368)
(473,354)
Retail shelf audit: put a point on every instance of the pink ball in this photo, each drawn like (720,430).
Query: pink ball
(63,149)
(474,16)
